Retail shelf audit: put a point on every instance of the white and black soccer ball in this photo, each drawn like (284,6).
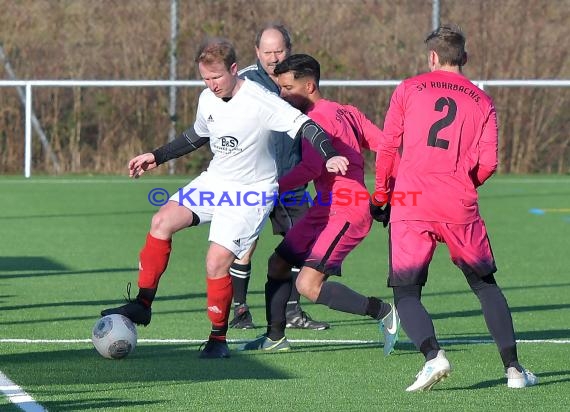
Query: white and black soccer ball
(114,336)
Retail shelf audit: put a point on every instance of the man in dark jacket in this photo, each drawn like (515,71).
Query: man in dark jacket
(272,46)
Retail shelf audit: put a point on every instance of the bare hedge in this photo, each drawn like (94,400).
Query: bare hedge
(96,130)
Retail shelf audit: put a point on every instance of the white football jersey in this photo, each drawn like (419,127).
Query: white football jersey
(240,133)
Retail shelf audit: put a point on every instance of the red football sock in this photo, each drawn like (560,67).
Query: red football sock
(153,261)
(220,293)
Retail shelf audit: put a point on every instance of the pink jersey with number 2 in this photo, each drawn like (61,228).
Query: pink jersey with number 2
(446,130)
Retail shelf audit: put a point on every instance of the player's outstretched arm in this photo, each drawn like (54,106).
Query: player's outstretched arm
(140,164)
(186,143)
(322,143)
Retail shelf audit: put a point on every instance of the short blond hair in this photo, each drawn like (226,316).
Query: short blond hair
(216,50)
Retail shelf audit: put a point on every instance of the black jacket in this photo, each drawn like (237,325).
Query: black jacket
(288,151)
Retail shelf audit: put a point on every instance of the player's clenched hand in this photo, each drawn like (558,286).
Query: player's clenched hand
(380,214)
(140,164)
(337,164)
(380,208)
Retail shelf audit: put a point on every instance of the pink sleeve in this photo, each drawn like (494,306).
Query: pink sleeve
(390,140)
(488,146)
(309,168)
(370,132)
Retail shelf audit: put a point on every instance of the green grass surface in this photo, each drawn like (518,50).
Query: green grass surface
(70,245)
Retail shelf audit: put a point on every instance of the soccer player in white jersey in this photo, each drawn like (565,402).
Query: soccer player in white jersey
(235,194)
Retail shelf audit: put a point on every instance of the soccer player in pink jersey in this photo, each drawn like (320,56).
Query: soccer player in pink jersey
(335,224)
(446,131)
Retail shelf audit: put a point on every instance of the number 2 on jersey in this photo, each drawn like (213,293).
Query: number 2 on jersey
(433,140)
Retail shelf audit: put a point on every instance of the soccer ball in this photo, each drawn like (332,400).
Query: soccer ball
(114,336)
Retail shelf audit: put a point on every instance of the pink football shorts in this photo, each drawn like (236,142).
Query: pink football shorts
(412,245)
(324,237)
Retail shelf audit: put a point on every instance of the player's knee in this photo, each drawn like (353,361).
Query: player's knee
(161,224)
(218,261)
(157,221)
(489,279)
(477,283)
(215,268)
(410,291)
(305,289)
(308,286)
(278,268)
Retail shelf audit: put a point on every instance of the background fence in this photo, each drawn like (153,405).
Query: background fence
(30,85)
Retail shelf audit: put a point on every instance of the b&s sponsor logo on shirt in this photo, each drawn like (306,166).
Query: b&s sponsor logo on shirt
(226,145)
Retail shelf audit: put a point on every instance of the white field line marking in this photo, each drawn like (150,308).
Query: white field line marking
(319,341)
(17,396)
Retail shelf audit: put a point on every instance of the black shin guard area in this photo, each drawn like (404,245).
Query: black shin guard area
(240,281)
(276,295)
(415,320)
(295,296)
(497,315)
(339,297)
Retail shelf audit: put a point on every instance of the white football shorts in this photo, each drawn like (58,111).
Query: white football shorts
(236,213)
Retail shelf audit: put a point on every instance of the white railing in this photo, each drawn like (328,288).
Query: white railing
(29,84)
